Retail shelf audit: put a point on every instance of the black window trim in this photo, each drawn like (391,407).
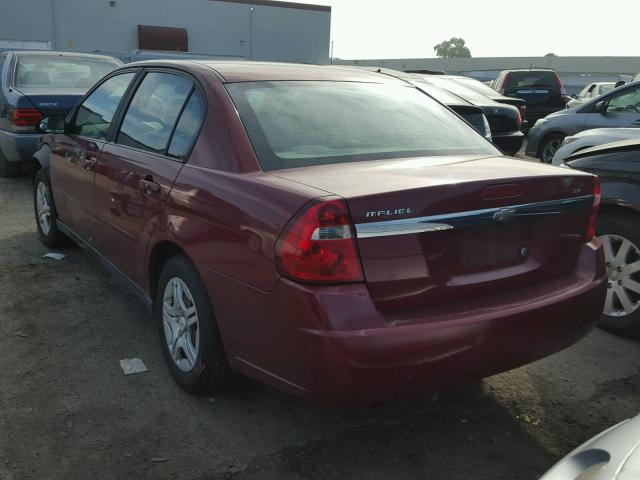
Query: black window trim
(124,107)
(71,117)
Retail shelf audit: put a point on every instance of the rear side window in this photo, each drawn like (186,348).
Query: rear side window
(296,124)
(531,79)
(96,112)
(60,71)
(153,111)
(188,127)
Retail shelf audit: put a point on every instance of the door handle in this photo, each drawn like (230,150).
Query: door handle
(637,123)
(149,187)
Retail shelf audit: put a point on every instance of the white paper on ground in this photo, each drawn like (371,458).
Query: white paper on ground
(54,255)
(132,365)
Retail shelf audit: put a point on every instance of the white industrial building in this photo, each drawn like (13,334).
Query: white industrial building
(253,30)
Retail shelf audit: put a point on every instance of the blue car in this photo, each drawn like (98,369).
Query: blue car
(38,83)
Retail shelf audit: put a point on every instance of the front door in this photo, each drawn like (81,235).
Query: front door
(135,174)
(622,110)
(75,154)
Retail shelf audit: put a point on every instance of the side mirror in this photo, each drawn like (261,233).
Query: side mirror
(601,107)
(52,124)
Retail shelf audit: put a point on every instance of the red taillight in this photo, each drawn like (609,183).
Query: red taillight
(518,120)
(25,117)
(593,217)
(318,245)
(523,111)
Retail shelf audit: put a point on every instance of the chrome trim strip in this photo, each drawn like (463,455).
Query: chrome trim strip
(472,218)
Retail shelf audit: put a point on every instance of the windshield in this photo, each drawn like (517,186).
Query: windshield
(295,124)
(60,72)
(606,87)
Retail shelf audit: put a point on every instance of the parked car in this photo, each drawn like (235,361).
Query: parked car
(505,120)
(332,232)
(618,166)
(592,138)
(612,455)
(37,83)
(542,89)
(617,108)
(487,91)
(592,90)
(469,112)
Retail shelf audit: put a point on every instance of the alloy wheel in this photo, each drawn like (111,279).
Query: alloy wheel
(550,149)
(43,208)
(623,268)
(180,319)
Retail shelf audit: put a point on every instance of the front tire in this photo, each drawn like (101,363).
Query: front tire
(189,334)
(549,146)
(620,235)
(45,212)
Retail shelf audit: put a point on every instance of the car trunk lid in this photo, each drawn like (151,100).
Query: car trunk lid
(432,231)
(50,101)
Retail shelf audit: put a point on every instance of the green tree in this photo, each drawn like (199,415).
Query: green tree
(454,48)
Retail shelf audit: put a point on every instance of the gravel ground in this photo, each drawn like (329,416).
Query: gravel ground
(68,412)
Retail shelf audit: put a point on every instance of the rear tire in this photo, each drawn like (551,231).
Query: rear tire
(614,229)
(7,168)
(45,212)
(189,334)
(549,146)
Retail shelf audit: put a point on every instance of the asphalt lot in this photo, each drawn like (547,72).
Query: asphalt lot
(68,412)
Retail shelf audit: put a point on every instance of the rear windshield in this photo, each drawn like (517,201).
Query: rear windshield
(476,85)
(60,72)
(532,79)
(296,124)
(456,88)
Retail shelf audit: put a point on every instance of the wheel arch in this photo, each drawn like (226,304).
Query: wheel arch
(617,208)
(40,159)
(160,254)
(544,139)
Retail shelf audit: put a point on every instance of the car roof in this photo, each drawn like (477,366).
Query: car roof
(530,70)
(231,71)
(49,53)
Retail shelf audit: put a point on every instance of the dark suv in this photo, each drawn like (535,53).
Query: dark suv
(542,90)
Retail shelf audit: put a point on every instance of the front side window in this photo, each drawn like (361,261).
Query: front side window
(60,71)
(625,101)
(294,124)
(96,112)
(153,111)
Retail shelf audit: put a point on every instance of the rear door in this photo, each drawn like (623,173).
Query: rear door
(623,110)
(75,153)
(135,173)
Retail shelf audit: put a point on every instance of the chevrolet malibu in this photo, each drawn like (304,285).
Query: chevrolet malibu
(37,83)
(332,232)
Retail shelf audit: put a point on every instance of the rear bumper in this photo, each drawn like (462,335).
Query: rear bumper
(533,141)
(510,143)
(18,147)
(331,343)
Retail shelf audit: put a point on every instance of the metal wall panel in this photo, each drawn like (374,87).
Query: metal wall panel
(243,30)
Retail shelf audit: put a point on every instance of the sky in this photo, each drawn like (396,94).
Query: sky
(409,28)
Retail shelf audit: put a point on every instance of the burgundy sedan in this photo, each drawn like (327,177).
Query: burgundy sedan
(334,233)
